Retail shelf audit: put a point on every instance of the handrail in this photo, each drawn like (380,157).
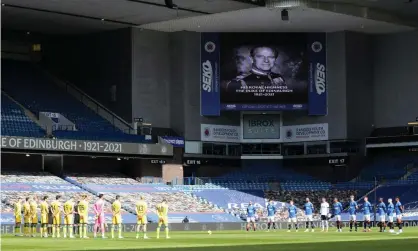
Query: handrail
(99,108)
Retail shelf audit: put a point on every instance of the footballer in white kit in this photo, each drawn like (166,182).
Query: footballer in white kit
(324,211)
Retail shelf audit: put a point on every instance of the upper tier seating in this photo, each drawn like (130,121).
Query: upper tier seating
(28,85)
(14,121)
(386,168)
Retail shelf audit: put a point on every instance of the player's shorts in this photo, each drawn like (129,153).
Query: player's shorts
(56,219)
(390,218)
(324,217)
(68,219)
(44,218)
(270,218)
(100,220)
(18,218)
(292,220)
(366,217)
(76,219)
(309,217)
(142,220)
(117,219)
(382,218)
(353,217)
(84,219)
(161,221)
(34,219)
(250,219)
(338,217)
(399,217)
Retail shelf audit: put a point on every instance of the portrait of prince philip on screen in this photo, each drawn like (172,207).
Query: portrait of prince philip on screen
(263,59)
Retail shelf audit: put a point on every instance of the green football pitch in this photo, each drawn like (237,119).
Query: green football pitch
(229,241)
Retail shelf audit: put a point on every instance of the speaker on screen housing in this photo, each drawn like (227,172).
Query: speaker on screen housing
(285,15)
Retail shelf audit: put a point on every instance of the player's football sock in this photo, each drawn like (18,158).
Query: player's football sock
(400,226)
(166,232)
(365,225)
(85,230)
(274,225)
(268,225)
(307,224)
(326,225)
(355,225)
(112,231)
(54,230)
(296,226)
(70,231)
(289,226)
(58,231)
(158,232)
(120,230)
(65,231)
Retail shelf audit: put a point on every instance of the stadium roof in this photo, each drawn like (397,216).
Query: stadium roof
(84,16)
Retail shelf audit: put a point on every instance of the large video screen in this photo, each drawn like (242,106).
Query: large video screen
(263,70)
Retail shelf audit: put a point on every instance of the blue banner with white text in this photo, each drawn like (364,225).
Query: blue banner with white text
(209,75)
(317,74)
(174,141)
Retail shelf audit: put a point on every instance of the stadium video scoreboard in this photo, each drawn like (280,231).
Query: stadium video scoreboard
(263,72)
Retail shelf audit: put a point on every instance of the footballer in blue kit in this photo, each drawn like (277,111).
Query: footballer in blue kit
(381,210)
(271,214)
(367,210)
(352,210)
(390,210)
(309,209)
(292,210)
(337,209)
(399,211)
(251,211)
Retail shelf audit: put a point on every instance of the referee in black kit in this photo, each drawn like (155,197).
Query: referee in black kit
(76,219)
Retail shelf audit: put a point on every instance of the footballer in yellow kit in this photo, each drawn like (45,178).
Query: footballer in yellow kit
(18,216)
(68,217)
(83,209)
(44,217)
(26,217)
(56,216)
(117,217)
(141,209)
(162,211)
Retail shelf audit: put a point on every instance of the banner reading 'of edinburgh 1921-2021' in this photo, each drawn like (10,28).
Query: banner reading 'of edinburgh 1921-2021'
(209,75)
(317,74)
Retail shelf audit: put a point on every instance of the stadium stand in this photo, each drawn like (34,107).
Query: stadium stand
(30,177)
(181,203)
(41,95)
(386,168)
(14,121)
(19,185)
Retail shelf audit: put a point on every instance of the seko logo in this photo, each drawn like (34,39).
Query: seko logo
(207,74)
(320,83)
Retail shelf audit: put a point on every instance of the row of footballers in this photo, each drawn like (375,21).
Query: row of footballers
(389,212)
(69,210)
